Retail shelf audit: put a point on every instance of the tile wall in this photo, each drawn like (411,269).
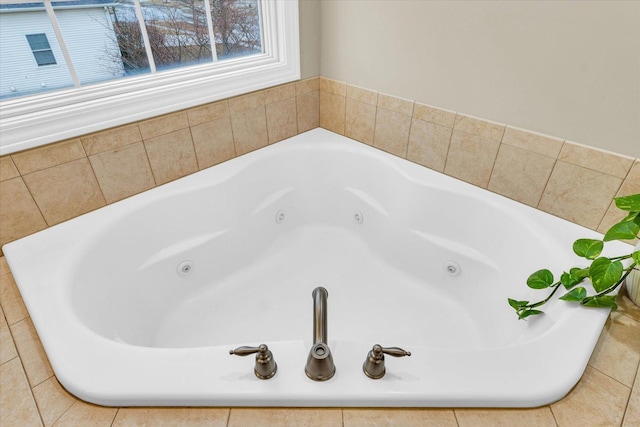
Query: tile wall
(51,184)
(560,177)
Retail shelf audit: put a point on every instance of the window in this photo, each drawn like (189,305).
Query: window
(155,57)
(41,49)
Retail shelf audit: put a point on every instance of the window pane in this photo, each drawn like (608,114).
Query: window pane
(236,25)
(44,57)
(128,50)
(178,33)
(92,42)
(38,41)
(21,72)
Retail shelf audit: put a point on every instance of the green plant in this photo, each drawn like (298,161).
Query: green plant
(605,273)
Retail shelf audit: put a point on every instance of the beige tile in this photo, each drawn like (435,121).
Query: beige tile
(34,359)
(479,127)
(208,113)
(532,141)
(395,104)
(634,172)
(363,95)
(20,217)
(247,102)
(617,353)
(435,115)
(307,85)
(17,407)
(111,139)
(282,121)
(471,158)
(4,266)
(614,214)
(65,191)
(170,417)
(123,172)
(520,174)
(249,130)
(11,300)
(598,160)
(332,112)
(399,417)
(597,400)
(392,132)
(268,417)
(7,348)
(7,168)
(333,86)
(360,120)
(53,400)
(171,156)
(48,156)
(578,194)
(86,414)
(538,417)
(279,93)
(632,416)
(213,142)
(428,144)
(163,125)
(308,111)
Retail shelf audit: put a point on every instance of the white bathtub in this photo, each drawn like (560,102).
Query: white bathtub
(124,326)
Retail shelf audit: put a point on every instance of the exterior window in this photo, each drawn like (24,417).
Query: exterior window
(41,49)
(121,61)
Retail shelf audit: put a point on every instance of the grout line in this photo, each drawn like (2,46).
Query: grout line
(635,385)
(24,372)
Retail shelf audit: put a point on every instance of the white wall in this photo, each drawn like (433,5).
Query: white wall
(568,69)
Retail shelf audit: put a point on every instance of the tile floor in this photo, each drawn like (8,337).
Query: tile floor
(607,395)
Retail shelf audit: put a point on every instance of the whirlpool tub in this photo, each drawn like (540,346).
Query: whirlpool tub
(139,303)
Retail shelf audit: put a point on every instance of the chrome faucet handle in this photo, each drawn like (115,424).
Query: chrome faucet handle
(373,366)
(265,367)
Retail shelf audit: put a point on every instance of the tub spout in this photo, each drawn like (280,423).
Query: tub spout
(320,365)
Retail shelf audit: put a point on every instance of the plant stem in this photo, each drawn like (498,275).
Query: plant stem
(555,286)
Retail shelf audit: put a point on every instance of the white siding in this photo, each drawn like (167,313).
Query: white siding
(18,67)
(87,34)
(89,38)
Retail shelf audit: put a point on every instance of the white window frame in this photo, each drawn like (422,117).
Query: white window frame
(41,119)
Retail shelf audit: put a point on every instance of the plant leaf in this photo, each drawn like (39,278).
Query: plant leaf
(604,273)
(636,256)
(577,294)
(517,304)
(624,230)
(628,203)
(588,248)
(528,313)
(632,216)
(568,280)
(602,301)
(541,279)
(579,273)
